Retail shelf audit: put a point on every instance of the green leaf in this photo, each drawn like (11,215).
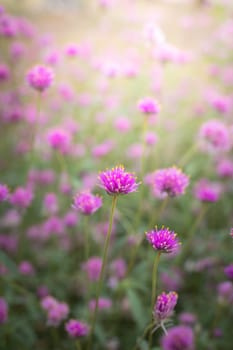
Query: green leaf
(136,308)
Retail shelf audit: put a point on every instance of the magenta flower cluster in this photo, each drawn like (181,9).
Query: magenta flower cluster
(93,267)
(170,182)
(178,338)
(163,240)
(76,329)
(117,181)
(56,311)
(4,192)
(87,203)
(207,191)
(40,77)
(165,305)
(148,106)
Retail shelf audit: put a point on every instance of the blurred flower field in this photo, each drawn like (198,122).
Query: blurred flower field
(116,169)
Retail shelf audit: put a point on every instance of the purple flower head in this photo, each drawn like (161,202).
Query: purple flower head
(26,268)
(72,50)
(225,293)
(40,77)
(4,192)
(76,329)
(103,304)
(229,271)
(117,181)
(178,338)
(163,240)
(56,310)
(206,191)
(59,139)
(22,197)
(87,203)
(118,268)
(93,267)
(4,72)
(214,136)
(225,168)
(231,233)
(165,305)
(148,106)
(3,311)
(187,318)
(170,182)
(50,203)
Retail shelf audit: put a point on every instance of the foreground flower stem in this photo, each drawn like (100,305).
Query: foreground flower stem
(100,283)
(36,126)
(78,345)
(143,157)
(153,294)
(188,243)
(86,234)
(147,329)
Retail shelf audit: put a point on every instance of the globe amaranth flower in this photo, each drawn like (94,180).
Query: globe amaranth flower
(148,106)
(87,203)
(40,77)
(4,192)
(214,136)
(93,268)
(207,191)
(165,305)
(163,240)
(228,270)
(103,304)
(170,182)
(225,293)
(76,329)
(178,338)
(3,311)
(56,310)
(117,181)
(225,168)
(22,197)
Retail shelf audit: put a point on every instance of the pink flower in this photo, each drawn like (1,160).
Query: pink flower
(22,197)
(93,267)
(40,77)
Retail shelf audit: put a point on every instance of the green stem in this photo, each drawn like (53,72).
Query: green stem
(86,234)
(145,127)
(78,345)
(100,283)
(36,126)
(153,294)
(143,335)
(160,212)
(187,155)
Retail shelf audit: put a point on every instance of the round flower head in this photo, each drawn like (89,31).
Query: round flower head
(178,338)
(3,311)
(163,240)
(165,305)
(40,77)
(76,329)
(148,106)
(207,191)
(228,270)
(117,181)
(4,192)
(215,136)
(170,182)
(87,203)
